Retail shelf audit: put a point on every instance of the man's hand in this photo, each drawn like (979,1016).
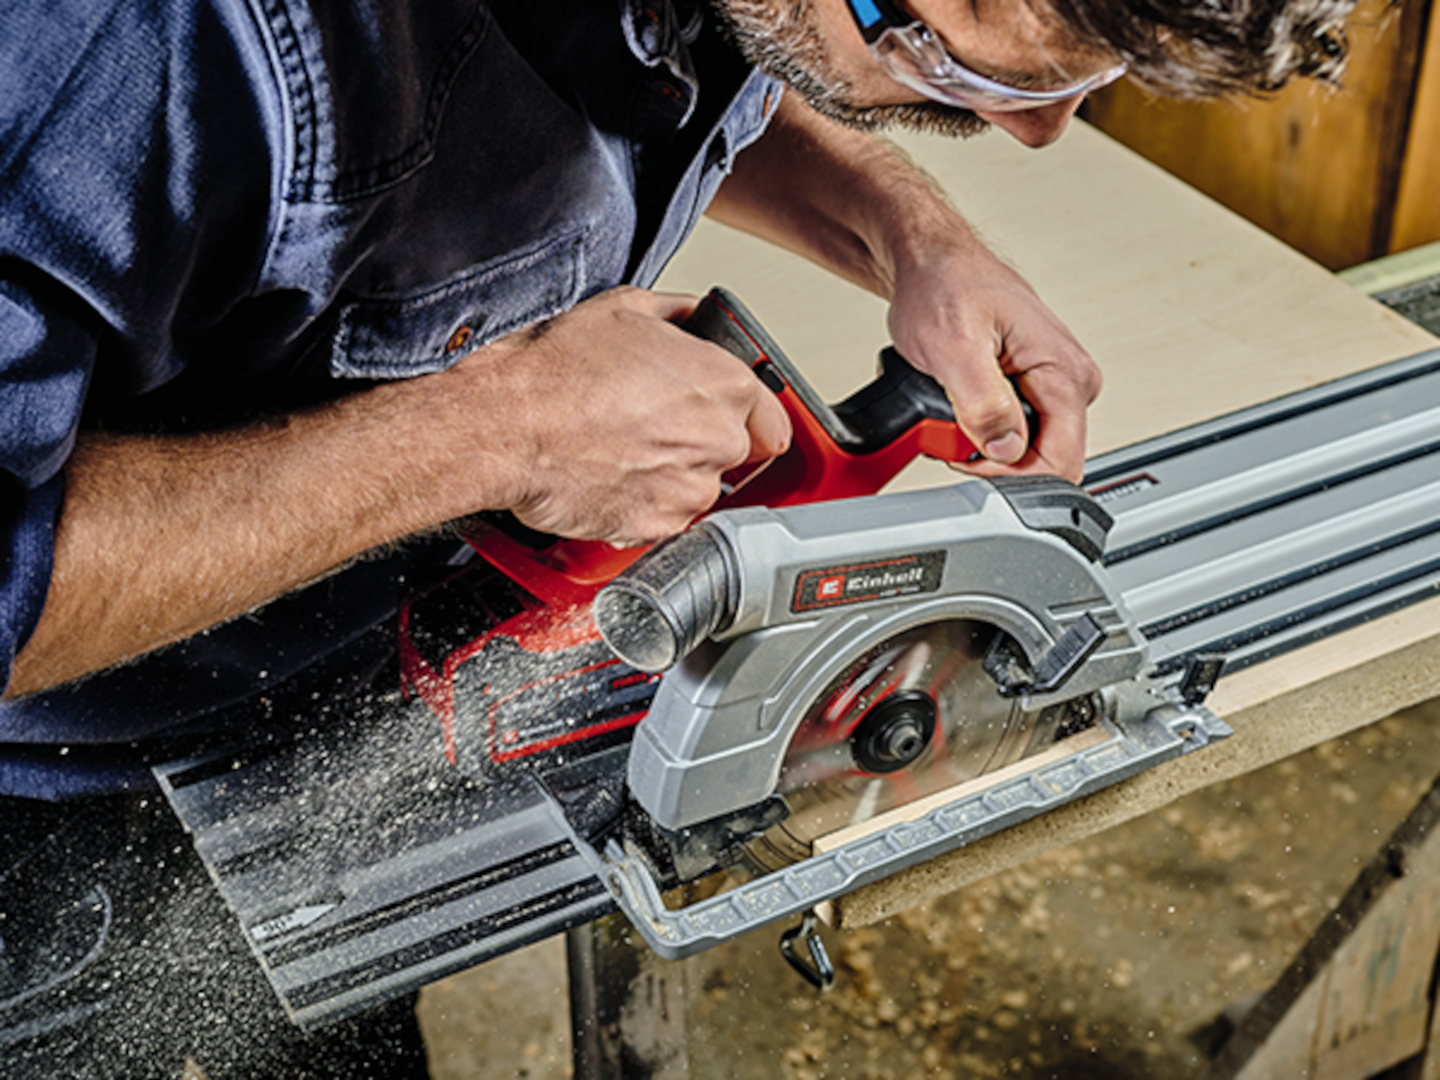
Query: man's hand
(972,323)
(622,424)
(852,204)
(608,422)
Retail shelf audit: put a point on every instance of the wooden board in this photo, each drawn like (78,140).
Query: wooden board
(1192,312)
(1356,1000)
(1417,207)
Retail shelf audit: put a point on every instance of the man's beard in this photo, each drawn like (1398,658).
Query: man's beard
(780,38)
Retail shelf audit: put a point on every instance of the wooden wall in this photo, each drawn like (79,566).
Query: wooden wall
(1417,209)
(1343,175)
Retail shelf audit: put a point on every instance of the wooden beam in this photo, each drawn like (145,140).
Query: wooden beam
(1356,999)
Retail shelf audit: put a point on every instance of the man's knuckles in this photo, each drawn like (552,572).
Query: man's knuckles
(989,417)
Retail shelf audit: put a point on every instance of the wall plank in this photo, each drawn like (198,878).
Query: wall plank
(1317,167)
(1417,209)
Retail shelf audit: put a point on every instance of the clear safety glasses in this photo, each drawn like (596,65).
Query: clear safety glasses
(915,57)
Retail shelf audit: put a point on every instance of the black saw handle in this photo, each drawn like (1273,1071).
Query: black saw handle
(902,396)
(870,419)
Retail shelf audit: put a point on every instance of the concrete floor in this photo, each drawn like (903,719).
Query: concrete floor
(1102,959)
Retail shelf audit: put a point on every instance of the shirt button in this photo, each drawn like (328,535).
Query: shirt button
(458,340)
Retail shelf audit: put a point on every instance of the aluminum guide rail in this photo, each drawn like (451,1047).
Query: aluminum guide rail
(361,865)
(1261,531)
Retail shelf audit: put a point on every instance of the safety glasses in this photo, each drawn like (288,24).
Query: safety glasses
(915,57)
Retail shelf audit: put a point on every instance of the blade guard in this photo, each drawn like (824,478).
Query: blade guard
(814,587)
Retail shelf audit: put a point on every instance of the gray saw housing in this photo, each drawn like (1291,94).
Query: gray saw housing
(785,599)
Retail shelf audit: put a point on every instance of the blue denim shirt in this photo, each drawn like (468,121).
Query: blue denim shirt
(211,209)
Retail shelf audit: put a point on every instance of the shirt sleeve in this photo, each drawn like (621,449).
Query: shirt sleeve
(46,357)
(136,151)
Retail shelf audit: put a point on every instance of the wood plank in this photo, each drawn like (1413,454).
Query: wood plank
(1318,168)
(1417,206)
(1192,312)
(1356,999)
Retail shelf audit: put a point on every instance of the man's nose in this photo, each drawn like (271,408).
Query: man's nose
(1036,127)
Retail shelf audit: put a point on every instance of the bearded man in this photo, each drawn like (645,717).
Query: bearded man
(287,281)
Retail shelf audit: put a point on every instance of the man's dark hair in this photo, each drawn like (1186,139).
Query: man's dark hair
(1206,48)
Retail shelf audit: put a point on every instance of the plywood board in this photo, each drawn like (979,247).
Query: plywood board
(1191,312)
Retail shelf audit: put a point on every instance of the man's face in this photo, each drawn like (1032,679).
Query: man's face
(815,47)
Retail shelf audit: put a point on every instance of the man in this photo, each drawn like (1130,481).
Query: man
(282,285)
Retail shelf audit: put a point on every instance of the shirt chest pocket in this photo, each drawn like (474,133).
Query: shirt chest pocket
(425,332)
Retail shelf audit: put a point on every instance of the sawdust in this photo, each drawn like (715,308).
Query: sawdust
(1100,960)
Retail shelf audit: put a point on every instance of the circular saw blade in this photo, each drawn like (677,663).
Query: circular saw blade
(825,778)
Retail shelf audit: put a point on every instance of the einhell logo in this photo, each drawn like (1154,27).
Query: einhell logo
(880,579)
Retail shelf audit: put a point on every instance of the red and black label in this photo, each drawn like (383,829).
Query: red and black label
(878,579)
(1119,489)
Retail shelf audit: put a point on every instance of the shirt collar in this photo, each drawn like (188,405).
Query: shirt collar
(657,38)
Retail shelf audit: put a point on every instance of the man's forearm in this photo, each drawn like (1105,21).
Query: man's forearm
(608,422)
(844,199)
(163,537)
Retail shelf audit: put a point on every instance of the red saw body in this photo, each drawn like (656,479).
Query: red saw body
(533,682)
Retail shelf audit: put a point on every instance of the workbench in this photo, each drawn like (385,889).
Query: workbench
(1191,313)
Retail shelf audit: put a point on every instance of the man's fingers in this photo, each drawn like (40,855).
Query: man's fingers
(1060,445)
(659,416)
(672,307)
(768,426)
(987,409)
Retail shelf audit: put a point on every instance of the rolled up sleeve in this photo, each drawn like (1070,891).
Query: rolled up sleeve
(46,357)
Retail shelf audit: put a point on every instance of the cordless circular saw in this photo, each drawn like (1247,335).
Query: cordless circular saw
(810,661)
(812,688)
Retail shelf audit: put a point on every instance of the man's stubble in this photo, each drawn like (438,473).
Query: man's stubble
(782,39)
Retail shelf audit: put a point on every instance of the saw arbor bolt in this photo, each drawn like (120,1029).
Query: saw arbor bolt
(894,732)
